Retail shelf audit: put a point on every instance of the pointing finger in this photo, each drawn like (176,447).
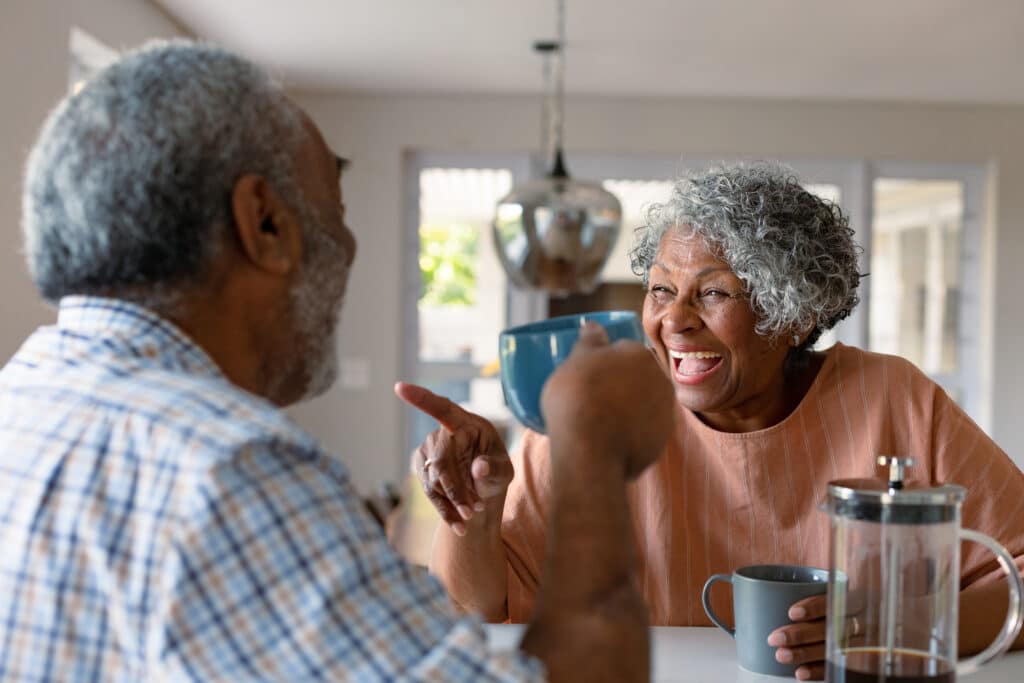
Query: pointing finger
(449,414)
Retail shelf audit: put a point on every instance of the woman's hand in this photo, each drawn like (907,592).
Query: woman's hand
(463,466)
(803,642)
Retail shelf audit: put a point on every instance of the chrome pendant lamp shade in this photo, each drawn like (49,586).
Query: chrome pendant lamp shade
(556,233)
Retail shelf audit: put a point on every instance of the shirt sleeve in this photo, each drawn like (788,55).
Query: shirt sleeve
(965,455)
(282,575)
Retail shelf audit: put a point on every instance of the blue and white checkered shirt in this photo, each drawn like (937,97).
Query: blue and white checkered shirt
(158,523)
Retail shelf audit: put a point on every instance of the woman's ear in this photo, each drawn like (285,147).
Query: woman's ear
(269,237)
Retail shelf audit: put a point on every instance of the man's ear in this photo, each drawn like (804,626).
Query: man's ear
(268,234)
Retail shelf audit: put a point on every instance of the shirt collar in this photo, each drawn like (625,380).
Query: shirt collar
(135,331)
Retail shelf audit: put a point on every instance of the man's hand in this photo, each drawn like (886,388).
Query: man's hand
(611,395)
(608,411)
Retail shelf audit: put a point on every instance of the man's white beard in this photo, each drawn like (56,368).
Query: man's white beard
(316,301)
(323,355)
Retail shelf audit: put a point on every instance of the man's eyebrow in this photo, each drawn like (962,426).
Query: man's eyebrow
(341,162)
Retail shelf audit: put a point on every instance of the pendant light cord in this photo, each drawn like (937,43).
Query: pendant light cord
(552,120)
(547,101)
(559,76)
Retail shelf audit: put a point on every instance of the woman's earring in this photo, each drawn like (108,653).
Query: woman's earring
(796,340)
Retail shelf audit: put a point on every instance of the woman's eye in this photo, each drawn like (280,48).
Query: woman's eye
(659,293)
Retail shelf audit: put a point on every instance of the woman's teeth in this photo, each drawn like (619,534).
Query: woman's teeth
(694,362)
(694,354)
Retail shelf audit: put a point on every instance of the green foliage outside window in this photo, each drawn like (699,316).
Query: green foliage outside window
(448,264)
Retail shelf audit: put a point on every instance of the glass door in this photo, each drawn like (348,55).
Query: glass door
(925,283)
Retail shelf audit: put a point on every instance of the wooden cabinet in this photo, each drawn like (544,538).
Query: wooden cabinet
(617,296)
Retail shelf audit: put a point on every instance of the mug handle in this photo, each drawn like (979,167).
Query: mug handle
(705,597)
(1014,614)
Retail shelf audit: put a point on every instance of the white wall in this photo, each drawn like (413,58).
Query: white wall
(123,24)
(375,131)
(36,34)
(34,67)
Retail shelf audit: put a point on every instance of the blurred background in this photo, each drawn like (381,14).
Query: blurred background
(909,113)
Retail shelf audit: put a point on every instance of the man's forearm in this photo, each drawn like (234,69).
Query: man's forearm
(590,622)
(474,567)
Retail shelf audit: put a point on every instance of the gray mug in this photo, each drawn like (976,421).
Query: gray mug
(761,598)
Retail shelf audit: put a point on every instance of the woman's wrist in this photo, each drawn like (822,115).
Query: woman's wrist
(489,519)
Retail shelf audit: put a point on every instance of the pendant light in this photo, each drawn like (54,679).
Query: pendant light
(556,233)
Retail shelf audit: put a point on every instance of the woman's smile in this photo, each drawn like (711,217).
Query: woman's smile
(693,367)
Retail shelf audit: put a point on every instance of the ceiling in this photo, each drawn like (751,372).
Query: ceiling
(906,50)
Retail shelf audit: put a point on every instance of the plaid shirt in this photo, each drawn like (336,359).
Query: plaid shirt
(158,523)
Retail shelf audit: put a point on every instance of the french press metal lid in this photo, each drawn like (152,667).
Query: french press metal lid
(891,501)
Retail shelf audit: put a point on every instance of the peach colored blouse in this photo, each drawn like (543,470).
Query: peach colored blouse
(717,501)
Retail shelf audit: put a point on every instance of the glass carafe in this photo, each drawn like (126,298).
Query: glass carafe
(894,583)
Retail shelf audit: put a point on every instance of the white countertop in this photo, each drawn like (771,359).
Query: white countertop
(707,655)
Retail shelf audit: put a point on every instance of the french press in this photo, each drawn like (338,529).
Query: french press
(894,582)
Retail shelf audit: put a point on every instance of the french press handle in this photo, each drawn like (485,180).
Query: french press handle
(1014,613)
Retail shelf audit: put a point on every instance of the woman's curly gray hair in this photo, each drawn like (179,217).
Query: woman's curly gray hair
(128,188)
(793,251)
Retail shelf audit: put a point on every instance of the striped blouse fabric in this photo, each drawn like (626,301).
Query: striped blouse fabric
(157,523)
(718,501)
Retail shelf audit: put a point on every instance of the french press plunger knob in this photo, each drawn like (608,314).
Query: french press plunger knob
(897,469)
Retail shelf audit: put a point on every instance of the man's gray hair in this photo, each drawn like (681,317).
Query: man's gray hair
(794,251)
(128,188)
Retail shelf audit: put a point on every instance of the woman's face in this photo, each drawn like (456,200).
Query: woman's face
(699,319)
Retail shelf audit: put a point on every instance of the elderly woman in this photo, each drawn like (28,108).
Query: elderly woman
(744,270)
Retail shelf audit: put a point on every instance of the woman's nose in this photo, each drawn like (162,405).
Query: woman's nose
(682,316)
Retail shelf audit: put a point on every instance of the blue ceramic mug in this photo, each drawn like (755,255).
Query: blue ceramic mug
(530,353)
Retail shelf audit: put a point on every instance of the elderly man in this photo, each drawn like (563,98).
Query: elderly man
(160,518)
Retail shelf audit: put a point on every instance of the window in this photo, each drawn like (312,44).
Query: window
(924,283)
(915,262)
(462,301)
